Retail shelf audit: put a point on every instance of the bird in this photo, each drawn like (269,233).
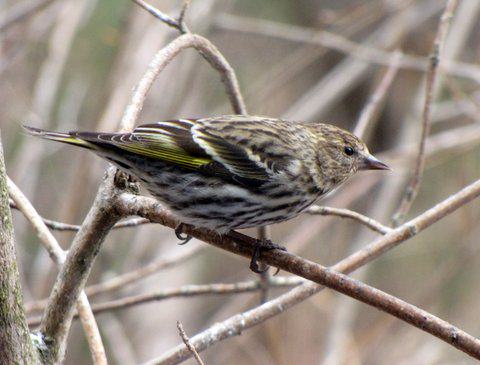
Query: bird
(233,171)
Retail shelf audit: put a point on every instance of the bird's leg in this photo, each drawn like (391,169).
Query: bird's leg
(263,245)
(179,233)
(259,245)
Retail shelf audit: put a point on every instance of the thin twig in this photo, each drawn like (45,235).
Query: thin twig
(346,213)
(61,226)
(123,280)
(366,116)
(168,20)
(165,56)
(186,291)
(234,325)
(435,59)
(181,18)
(341,44)
(193,290)
(348,73)
(187,343)
(58,255)
(178,24)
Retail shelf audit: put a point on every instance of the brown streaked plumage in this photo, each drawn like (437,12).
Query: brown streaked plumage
(231,171)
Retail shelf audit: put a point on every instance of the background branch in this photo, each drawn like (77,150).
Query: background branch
(435,60)
(165,56)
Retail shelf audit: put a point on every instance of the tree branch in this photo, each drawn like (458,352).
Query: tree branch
(57,254)
(187,291)
(435,58)
(165,56)
(346,213)
(332,278)
(363,124)
(61,226)
(178,24)
(78,263)
(341,44)
(123,280)
(15,343)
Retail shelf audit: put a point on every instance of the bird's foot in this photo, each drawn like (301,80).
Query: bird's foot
(263,245)
(184,238)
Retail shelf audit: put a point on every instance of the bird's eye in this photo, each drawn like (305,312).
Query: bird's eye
(349,151)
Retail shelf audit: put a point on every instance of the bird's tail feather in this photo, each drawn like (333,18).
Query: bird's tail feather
(58,136)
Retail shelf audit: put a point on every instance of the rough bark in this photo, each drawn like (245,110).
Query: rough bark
(15,344)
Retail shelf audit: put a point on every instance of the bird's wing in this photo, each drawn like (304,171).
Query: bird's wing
(177,142)
(249,146)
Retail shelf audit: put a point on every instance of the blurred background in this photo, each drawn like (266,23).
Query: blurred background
(73,64)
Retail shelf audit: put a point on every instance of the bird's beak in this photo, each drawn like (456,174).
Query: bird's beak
(371,163)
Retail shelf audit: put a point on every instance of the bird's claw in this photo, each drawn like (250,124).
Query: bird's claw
(184,238)
(263,245)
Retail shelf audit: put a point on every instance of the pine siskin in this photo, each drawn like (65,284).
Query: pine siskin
(231,172)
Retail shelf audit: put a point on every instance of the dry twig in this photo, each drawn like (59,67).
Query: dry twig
(341,44)
(165,56)
(363,124)
(187,343)
(186,291)
(123,280)
(178,24)
(435,58)
(61,226)
(346,213)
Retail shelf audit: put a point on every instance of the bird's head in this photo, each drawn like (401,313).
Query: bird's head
(340,154)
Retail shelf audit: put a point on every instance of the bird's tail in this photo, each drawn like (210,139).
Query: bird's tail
(58,136)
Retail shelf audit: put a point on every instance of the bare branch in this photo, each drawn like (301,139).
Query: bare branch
(61,226)
(186,291)
(78,263)
(89,324)
(178,24)
(165,56)
(158,14)
(152,210)
(15,342)
(341,44)
(346,213)
(57,254)
(435,58)
(181,18)
(123,280)
(379,94)
(187,343)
